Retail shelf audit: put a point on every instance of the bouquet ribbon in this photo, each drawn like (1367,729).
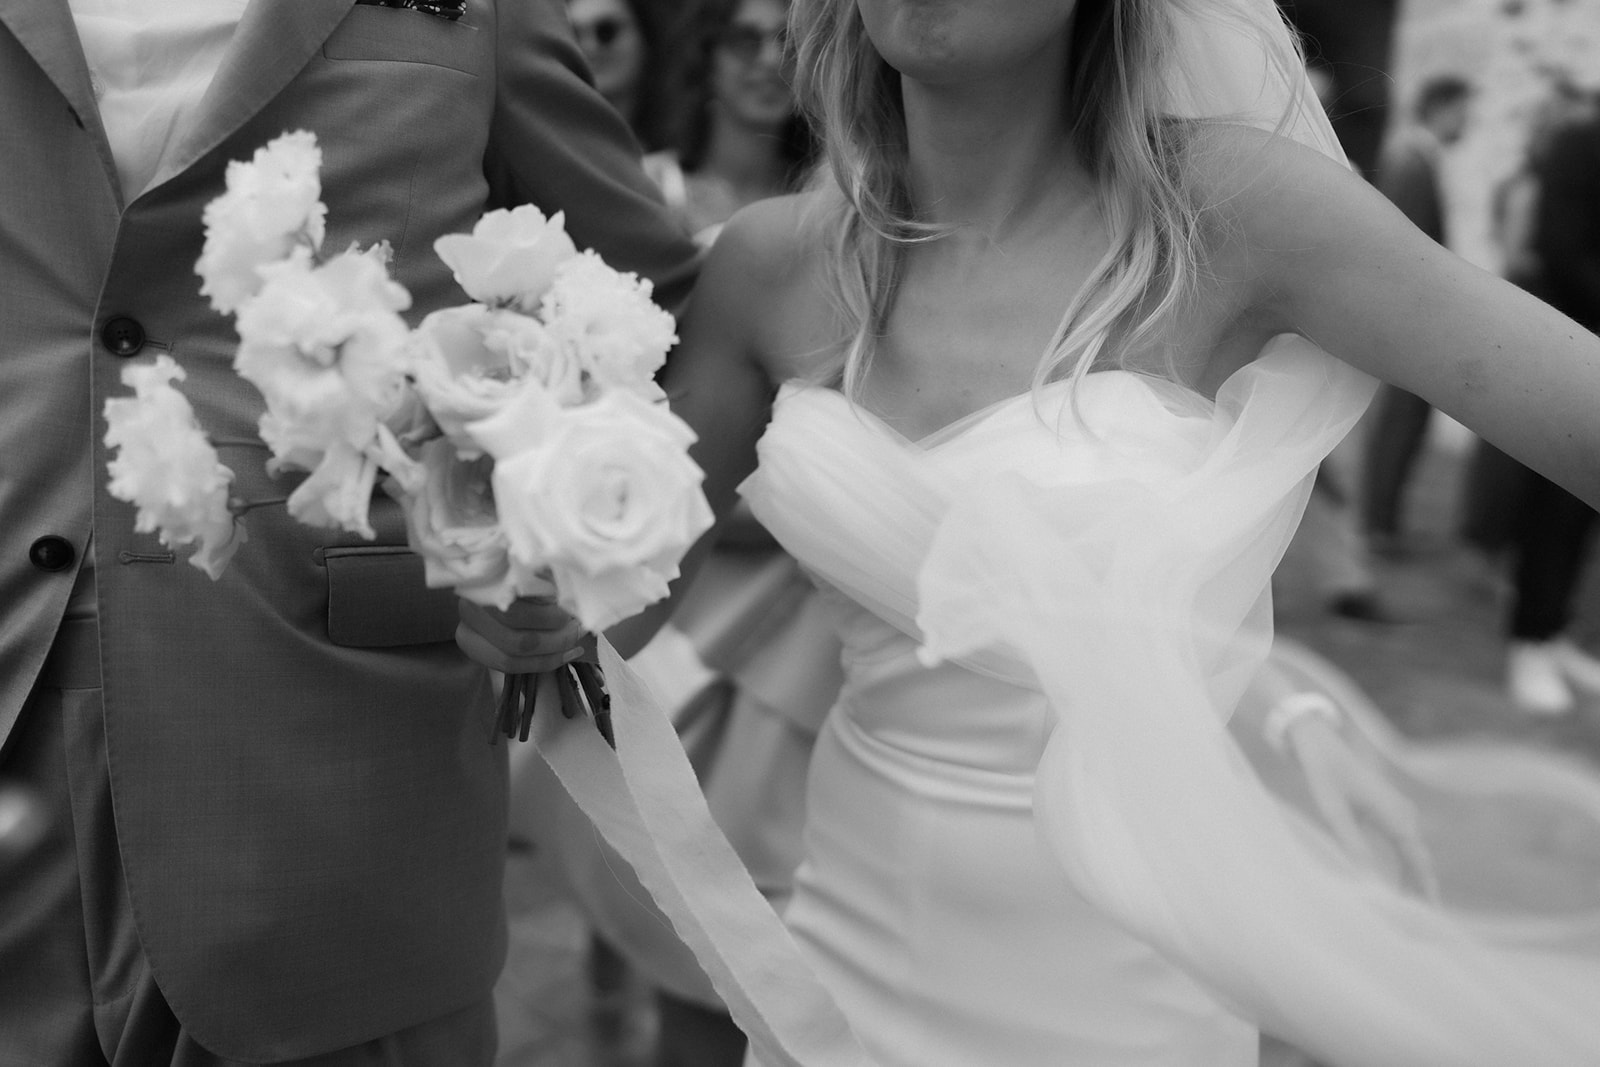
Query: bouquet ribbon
(644,800)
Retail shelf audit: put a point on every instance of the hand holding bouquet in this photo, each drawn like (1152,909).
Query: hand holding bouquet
(523,433)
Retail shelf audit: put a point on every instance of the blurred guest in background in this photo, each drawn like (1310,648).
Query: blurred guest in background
(625,43)
(1350,43)
(1330,534)
(750,658)
(749,665)
(1493,481)
(740,137)
(1408,174)
(1547,225)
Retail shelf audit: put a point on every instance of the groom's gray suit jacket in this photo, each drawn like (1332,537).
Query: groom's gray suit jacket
(310,818)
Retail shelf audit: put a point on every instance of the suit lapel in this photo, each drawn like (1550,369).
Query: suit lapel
(274,41)
(46,29)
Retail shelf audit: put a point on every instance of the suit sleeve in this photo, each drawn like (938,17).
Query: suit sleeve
(557,143)
(1567,234)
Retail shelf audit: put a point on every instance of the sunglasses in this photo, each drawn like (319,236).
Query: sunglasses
(745,42)
(602,32)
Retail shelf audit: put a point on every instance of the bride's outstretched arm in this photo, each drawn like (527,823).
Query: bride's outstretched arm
(1323,254)
(716,383)
(1336,262)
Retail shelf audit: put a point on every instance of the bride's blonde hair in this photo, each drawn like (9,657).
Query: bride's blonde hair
(1118,70)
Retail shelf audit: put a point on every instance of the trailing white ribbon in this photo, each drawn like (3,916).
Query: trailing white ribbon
(645,801)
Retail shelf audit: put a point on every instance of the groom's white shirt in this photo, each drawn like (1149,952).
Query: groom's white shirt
(150,64)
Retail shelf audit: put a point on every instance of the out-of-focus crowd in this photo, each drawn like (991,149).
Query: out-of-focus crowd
(1522,530)
(705,89)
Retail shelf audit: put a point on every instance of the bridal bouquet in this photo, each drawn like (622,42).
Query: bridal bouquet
(523,433)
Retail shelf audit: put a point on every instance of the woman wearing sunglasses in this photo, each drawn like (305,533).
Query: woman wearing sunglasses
(624,44)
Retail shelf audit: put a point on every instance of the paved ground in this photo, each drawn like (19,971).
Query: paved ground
(1436,673)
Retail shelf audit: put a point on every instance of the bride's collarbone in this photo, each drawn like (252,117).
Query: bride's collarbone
(968,331)
(922,383)
(940,362)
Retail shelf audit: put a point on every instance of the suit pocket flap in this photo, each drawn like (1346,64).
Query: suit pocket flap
(378,598)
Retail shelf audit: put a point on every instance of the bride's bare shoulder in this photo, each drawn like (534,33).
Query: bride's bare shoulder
(1281,219)
(767,276)
(775,238)
(1278,191)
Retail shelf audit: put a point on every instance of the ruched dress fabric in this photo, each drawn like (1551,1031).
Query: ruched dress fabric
(1030,838)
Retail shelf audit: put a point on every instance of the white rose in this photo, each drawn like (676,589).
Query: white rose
(325,346)
(603,494)
(451,523)
(271,210)
(467,362)
(510,258)
(167,469)
(609,321)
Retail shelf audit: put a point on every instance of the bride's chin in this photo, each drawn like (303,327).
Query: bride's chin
(940,43)
(906,31)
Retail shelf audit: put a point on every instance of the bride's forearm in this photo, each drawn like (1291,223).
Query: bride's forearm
(1274,704)
(632,634)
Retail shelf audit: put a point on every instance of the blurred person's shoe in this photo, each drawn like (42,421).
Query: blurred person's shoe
(1580,668)
(1361,605)
(1535,679)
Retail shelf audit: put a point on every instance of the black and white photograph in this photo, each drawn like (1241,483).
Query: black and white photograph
(799,533)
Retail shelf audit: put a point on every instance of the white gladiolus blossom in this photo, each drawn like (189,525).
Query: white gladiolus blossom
(325,345)
(271,211)
(338,491)
(334,328)
(608,320)
(166,468)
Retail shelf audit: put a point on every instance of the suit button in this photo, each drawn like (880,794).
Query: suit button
(122,336)
(52,553)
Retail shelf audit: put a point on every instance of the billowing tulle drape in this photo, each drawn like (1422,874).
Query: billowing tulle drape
(1137,606)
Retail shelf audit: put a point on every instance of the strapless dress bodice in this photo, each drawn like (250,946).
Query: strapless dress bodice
(858,503)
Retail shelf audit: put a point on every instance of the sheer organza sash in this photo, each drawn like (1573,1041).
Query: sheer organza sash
(1140,608)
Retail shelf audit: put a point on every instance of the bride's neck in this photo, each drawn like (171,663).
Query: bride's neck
(982,156)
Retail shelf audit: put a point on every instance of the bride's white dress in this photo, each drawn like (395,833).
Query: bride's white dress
(1044,848)
(925,900)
